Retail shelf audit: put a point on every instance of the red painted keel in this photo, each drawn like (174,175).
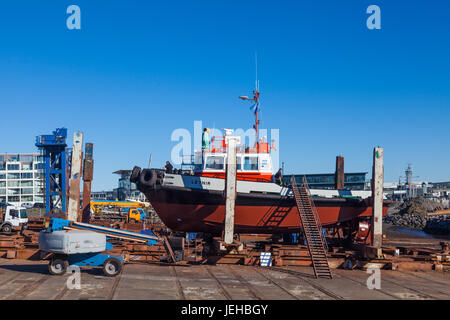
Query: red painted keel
(250,219)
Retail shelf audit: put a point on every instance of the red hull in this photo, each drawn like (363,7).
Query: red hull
(250,219)
(203,210)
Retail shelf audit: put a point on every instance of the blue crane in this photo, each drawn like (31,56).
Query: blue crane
(53,148)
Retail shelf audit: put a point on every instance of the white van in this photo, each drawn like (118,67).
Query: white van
(13,217)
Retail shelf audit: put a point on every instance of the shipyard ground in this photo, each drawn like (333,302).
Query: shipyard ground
(20,279)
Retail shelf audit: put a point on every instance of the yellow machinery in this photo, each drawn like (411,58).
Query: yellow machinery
(440,212)
(133,210)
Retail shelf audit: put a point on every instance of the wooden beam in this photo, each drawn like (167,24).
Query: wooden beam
(377,198)
(230,187)
(88,172)
(75,175)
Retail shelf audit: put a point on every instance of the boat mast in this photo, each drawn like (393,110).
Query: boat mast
(256,97)
(255,105)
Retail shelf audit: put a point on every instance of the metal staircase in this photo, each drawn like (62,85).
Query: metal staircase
(312,229)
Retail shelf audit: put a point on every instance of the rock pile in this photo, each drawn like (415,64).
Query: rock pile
(406,220)
(438,225)
(419,206)
(413,214)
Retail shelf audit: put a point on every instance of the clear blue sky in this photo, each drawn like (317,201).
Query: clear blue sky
(137,70)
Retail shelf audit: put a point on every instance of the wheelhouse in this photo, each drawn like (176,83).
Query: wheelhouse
(254,164)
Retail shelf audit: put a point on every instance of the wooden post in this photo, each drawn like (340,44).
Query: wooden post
(230,187)
(67,186)
(339,174)
(88,171)
(75,175)
(377,197)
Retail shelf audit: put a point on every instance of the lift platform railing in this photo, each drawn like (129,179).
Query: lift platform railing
(56,224)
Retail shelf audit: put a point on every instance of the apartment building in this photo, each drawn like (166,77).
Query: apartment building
(21,178)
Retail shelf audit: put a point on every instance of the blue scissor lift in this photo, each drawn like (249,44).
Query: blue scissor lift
(83,244)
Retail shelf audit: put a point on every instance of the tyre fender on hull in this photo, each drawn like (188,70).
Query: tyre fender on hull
(148,177)
(135,174)
(160,177)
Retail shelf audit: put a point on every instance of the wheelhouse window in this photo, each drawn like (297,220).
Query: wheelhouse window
(239,163)
(250,163)
(198,161)
(214,162)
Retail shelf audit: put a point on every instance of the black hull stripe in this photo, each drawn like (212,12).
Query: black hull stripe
(189,196)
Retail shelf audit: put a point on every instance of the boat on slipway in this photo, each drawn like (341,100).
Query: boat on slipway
(195,201)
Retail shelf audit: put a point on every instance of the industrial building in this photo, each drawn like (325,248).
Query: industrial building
(441,189)
(125,190)
(103,195)
(21,178)
(407,188)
